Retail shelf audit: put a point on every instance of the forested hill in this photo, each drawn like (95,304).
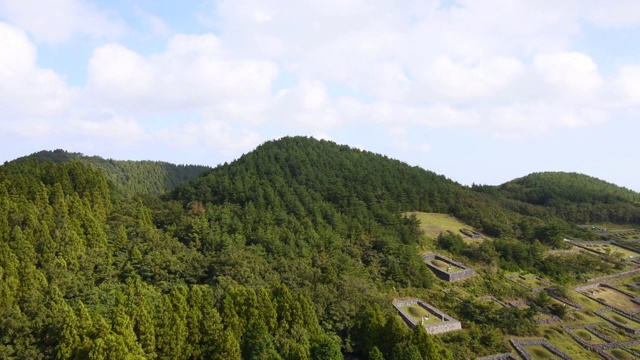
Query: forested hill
(575,197)
(129,177)
(293,251)
(294,175)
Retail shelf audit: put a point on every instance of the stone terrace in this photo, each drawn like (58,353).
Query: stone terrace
(466,271)
(448,323)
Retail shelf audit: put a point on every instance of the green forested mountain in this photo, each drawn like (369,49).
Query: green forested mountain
(129,177)
(293,251)
(575,197)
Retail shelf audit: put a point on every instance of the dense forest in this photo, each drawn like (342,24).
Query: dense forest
(293,251)
(577,198)
(129,177)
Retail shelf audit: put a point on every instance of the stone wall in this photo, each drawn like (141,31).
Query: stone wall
(449,323)
(630,330)
(615,276)
(520,344)
(498,357)
(445,275)
(582,288)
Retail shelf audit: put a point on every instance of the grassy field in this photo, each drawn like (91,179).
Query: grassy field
(567,344)
(630,289)
(635,348)
(612,332)
(614,299)
(531,282)
(622,319)
(417,312)
(433,224)
(585,301)
(540,352)
(620,354)
(588,336)
(583,317)
(613,249)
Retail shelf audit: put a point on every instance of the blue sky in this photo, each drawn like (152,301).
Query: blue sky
(480,91)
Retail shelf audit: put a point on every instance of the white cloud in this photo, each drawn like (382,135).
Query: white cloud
(572,73)
(629,81)
(211,134)
(26,90)
(106,125)
(57,21)
(194,72)
(507,68)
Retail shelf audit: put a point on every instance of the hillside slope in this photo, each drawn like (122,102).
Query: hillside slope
(129,177)
(575,197)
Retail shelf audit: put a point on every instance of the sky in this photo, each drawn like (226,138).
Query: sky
(481,91)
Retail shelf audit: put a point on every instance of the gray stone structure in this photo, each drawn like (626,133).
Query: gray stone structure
(466,271)
(600,348)
(505,356)
(635,299)
(471,234)
(615,276)
(448,324)
(534,290)
(520,344)
(602,313)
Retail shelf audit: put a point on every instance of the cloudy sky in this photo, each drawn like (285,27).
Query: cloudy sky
(482,91)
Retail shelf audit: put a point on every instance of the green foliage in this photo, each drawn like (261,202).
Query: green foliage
(293,251)
(574,197)
(129,177)
(451,242)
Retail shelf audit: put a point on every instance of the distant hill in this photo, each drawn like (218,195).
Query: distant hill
(575,197)
(129,177)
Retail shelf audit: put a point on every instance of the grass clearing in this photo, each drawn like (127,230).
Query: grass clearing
(622,320)
(434,223)
(540,352)
(613,249)
(583,317)
(620,354)
(567,344)
(614,298)
(588,304)
(635,348)
(631,289)
(589,337)
(612,332)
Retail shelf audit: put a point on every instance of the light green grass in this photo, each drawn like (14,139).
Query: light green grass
(612,332)
(613,249)
(635,348)
(434,223)
(613,298)
(567,344)
(540,352)
(586,302)
(630,289)
(582,317)
(620,354)
(622,320)
(588,336)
